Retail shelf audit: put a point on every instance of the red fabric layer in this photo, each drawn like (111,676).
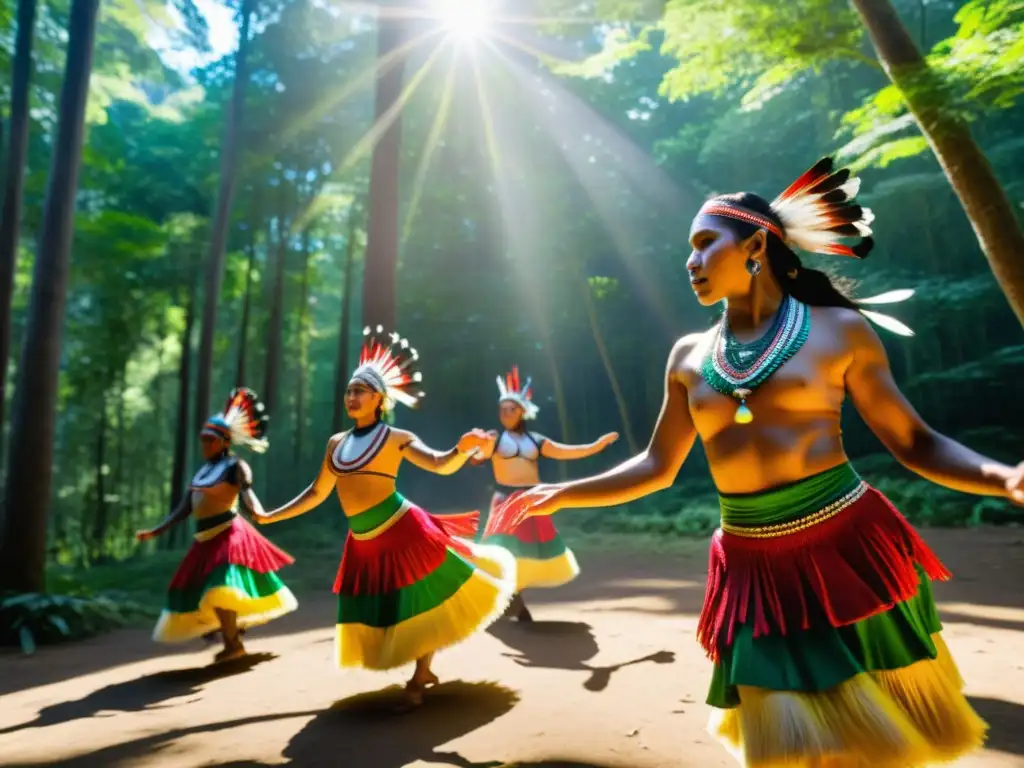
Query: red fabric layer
(532,530)
(464,524)
(406,552)
(241,544)
(854,565)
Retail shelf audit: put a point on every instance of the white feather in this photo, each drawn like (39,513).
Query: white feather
(890,324)
(851,187)
(889,297)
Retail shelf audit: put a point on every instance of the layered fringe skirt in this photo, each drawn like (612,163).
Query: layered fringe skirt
(229,566)
(542,559)
(409,585)
(825,638)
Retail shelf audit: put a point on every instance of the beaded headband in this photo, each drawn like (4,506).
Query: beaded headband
(816,212)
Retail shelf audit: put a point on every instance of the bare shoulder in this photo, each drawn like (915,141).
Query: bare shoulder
(244,472)
(687,352)
(846,325)
(402,437)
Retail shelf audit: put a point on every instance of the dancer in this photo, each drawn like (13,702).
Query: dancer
(542,559)
(227,581)
(408,584)
(818,615)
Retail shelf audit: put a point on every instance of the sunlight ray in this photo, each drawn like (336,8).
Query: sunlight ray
(566,118)
(430,147)
(365,78)
(370,138)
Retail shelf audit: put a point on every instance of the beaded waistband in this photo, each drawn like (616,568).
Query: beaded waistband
(792,507)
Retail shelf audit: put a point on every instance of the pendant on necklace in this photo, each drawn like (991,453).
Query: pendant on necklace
(743,414)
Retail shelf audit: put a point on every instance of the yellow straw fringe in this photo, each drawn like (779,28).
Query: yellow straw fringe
(546,573)
(251,612)
(904,718)
(479,603)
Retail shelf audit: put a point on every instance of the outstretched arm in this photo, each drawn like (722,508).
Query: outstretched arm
(180,512)
(655,468)
(310,498)
(551,449)
(447,463)
(904,433)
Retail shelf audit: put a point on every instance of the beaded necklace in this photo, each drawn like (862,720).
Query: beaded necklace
(737,369)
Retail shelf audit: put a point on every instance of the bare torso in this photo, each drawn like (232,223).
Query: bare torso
(364,467)
(214,488)
(796,428)
(515,459)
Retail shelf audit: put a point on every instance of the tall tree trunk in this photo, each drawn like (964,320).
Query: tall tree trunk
(275,327)
(99,521)
(300,396)
(609,369)
(219,233)
(341,366)
(30,464)
(379,300)
(983,199)
(179,464)
(10,215)
(243,332)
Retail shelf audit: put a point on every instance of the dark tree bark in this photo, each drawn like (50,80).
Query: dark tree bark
(10,215)
(275,326)
(983,199)
(30,463)
(243,332)
(300,396)
(379,300)
(219,233)
(341,366)
(179,464)
(99,521)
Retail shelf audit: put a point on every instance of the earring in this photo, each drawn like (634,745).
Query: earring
(753,267)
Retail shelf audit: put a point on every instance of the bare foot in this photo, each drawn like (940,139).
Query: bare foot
(233,651)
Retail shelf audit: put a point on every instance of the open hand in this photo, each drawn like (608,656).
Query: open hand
(141,536)
(1015,485)
(539,501)
(474,440)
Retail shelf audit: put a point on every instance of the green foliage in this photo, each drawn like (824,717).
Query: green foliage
(28,620)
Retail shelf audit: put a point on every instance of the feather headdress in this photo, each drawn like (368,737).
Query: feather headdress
(242,422)
(818,214)
(387,364)
(510,388)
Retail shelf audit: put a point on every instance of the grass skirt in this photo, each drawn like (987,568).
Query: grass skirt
(231,567)
(408,585)
(542,559)
(820,620)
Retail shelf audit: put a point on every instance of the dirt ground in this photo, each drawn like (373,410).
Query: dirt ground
(609,677)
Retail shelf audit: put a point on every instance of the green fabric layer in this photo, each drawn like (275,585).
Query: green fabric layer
(533,550)
(376,515)
(390,608)
(789,502)
(253,584)
(823,657)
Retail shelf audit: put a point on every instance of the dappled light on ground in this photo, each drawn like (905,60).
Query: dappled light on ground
(584,686)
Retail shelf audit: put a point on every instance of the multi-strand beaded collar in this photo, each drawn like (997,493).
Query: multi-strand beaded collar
(737,369)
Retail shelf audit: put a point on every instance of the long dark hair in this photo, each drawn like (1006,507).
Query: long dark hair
(810,286)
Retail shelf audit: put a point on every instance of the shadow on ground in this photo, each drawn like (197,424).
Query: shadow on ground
(1005,720)
(362,731)
(143,693)
(564,645)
